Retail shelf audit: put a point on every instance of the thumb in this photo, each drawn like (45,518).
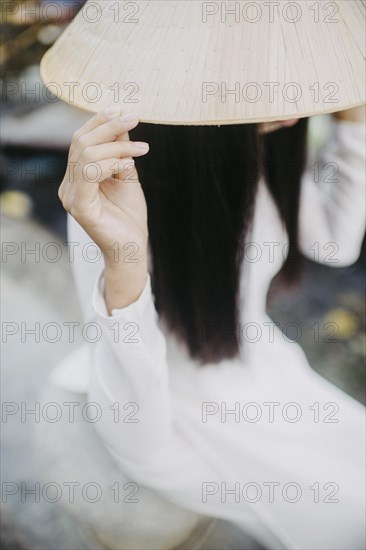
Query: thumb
(126,171)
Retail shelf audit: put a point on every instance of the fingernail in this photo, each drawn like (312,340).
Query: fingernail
(115,110)
(129,118)
(141,146)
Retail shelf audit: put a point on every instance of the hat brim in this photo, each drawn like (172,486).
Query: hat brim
(173,64)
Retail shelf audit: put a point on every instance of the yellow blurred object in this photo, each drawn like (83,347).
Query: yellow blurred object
(346,322)
(15,204)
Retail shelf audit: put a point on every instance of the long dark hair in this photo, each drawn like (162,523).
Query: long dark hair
(200,184)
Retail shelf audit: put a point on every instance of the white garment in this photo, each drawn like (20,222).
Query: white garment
(172,450)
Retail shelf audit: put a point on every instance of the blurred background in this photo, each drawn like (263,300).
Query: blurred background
(36,130)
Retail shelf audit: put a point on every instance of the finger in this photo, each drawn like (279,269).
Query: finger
(107,132)
(98,119)
(118,149)
(101,118)
(125,136)
(97,172)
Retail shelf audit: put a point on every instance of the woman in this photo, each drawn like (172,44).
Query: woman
(203,400)
(237,438)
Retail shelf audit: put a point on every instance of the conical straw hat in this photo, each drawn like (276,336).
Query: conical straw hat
(202,63)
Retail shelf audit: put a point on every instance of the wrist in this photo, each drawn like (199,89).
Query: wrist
(125,267)
(127,256)
(124,287)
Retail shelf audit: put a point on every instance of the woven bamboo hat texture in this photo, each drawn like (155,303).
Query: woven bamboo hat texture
(211,63)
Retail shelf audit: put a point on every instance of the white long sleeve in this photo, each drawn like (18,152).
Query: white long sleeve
(130,368)
(332,208)
(127,368)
